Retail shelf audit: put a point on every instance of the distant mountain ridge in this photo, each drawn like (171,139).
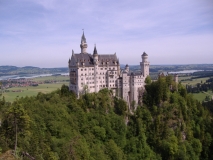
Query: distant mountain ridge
(11,70)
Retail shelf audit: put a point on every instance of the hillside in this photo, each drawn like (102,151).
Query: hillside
(11,70)
(169,125)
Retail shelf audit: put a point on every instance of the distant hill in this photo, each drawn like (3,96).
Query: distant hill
(11,70)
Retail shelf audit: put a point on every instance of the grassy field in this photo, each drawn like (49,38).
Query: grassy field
(202,95)
(199,96)
(193,81)
(51,78)
(32,91)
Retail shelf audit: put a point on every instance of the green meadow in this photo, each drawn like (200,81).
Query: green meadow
(33,91)
(53,78)
(202,95)
(192,81)
(188,81)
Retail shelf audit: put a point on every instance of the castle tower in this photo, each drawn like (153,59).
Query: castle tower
(176,78)
(127,68)
(95,58)
(83,44)
(144,64)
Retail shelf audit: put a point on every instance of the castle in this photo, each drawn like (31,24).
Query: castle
(93,72)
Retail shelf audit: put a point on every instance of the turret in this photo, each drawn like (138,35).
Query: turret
(144,57)
(144,64)
(95,56)
(176,78)
(83,44)
(127,68)
(95,59)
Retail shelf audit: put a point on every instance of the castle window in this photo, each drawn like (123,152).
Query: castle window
(81,69)
(85,69)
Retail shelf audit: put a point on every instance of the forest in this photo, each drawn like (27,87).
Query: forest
(169,124)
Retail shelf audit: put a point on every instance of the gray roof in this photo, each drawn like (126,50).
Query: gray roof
(102,59)
(163,73)
(144,54)
(95,51)
(135,74)
(83,39)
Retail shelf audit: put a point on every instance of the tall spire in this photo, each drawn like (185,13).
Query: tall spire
(83,44)
(83,39)
(95,51)
(95,56)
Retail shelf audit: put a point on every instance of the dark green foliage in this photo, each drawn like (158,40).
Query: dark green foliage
(178,120)
(148,80)
(170,125)
(120,106)
(157,92)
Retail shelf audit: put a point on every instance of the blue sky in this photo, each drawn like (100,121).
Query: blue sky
(43,32)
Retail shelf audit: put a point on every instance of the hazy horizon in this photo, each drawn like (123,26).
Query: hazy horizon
(120,64)
(43,33)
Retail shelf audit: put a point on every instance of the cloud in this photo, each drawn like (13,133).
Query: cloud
(50,27)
